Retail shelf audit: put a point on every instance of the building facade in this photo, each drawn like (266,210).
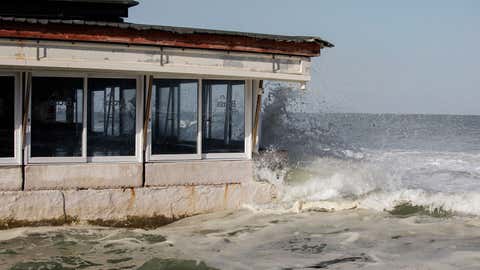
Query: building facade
(108,105)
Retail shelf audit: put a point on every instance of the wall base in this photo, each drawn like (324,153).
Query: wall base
(131,207)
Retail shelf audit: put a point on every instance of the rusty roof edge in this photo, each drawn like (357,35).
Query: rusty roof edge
(191,30)
(174,29)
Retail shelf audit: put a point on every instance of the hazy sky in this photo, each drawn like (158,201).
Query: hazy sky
(404,56)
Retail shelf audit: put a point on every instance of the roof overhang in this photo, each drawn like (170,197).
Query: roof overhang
(160,36)
(61,56)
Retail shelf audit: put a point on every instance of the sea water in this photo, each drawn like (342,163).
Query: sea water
(361,191)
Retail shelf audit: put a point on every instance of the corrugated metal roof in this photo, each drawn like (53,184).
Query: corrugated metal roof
(173,29)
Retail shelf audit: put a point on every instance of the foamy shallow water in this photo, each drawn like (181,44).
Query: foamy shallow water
(351,239)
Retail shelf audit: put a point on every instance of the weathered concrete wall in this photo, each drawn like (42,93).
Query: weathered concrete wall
(121,175)
(121,206)
(198,172)
(10,178)
(89,175)
(169,202)
(31,206)
(113,196)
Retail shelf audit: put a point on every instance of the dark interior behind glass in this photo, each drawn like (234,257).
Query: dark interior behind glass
(223,111)
(7,116)
(112,116)
(57,117)
(174,116)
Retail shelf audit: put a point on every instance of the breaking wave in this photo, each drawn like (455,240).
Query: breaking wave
(334,164)
(435,181)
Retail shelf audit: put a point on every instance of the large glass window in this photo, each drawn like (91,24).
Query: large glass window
(174,116)
(223,111)
(56,117)
(112,117)
(7,116)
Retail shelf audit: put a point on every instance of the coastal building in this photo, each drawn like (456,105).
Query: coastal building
(104,120)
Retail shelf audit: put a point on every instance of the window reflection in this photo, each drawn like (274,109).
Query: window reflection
(174,116)
(57,117)
(112,116)
(7,115)
(223,116)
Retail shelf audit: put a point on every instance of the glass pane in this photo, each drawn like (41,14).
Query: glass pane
(174,117)
(112,116)
(57,106)
(7,116)
(223,116)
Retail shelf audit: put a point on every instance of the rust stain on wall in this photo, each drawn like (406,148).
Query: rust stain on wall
(20,56)
(131,201)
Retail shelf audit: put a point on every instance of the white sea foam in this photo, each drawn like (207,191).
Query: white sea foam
(383,180)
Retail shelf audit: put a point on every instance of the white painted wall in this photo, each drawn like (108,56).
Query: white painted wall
(143,59)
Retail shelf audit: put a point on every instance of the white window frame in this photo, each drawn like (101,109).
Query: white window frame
(174,157)
(40,160)
(18,108)
(247,154)
(140,82)
(138,121)
(85,158)
(247,121)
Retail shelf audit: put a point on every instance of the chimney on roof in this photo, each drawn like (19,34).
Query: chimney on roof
(88,10)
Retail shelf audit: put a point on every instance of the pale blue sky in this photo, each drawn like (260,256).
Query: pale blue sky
(405,56)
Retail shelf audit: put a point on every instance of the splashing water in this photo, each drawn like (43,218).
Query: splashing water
(285,125)
(378,162)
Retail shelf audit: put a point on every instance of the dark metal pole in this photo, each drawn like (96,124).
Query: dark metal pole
(26,110)
(228,116)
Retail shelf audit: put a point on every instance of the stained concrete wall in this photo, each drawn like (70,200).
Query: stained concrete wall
(107,194)
(121,175)
(88,175)
(199,172)
(169,202)
(31,206)
(114,206)
(10,178)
